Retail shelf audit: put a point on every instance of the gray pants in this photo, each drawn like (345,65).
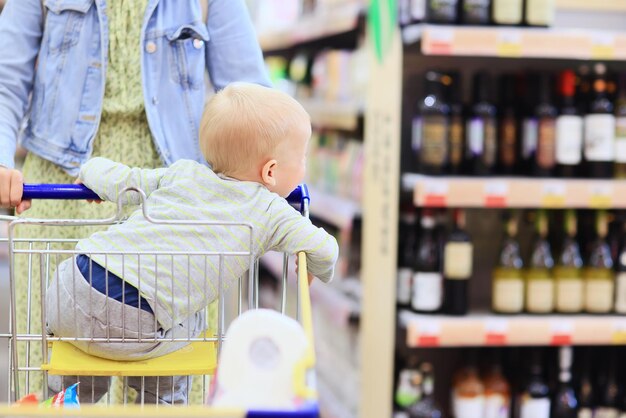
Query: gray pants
(75,309)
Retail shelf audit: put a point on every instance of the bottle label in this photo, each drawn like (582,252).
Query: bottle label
(418,10)
(620,139)
(546,143)
(476,11)
(403,291)
(427,291)
(508,142)
(475,134)
(507,12)
(490,151)
(530,132)
(540,295)
(443,10)
(600,137)
(466,407)
(416,135)
(569,139)
(535,408)
(620,293)
(457,263)
(508,294)
(603,412)
(598,295)
(434,142)
(569,295)
(496,406)
(585,413)
(540,12)
(456,142)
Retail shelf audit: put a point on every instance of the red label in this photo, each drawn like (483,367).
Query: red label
(495,339)
(440,48)
(428,341)
(434,200)
(561,339)
(495,202)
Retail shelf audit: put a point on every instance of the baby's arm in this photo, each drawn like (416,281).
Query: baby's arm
(294,233)
(108,178)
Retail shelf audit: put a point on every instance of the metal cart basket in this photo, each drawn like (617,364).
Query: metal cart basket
(190,352)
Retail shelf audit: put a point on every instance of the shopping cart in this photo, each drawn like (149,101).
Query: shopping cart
(199,351)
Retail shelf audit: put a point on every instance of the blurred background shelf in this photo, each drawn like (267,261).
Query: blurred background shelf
(517,42)
(503,192)
(484,329)
(336,210)
(344,116)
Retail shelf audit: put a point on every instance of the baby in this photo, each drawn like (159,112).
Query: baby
(255,139)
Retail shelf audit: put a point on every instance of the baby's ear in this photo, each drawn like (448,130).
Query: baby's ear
(268,173)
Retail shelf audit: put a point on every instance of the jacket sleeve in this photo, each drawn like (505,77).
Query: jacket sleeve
(21,27)
(293,233)
(233,52)
(108,178)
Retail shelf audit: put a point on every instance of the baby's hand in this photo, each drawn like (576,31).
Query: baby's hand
(98,201)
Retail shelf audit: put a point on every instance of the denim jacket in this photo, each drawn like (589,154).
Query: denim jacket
(64,67)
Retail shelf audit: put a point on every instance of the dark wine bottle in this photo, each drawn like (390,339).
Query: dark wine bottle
(565,404)
(481,128)
(546,113)
(457,125)
(427,295)
(535,399)
(458,266)
(476,12)
(509,132)
(406,256)
(600,129)
(442,11)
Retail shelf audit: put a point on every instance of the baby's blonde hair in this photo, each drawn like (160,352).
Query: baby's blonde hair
(244,123)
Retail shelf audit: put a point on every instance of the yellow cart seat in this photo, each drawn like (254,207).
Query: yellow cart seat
(194,359)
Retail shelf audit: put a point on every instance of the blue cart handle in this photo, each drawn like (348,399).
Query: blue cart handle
(80,192)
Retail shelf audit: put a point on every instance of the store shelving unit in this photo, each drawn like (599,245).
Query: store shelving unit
(417,47)
(505,192)
(326,114)
(483,329)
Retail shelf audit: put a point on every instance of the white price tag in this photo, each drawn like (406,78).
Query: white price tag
(496,326)
(496,188)
(429,327)
(603,39)
(562,327)
(554,188)
(510,37)
(436,187)
(440,35)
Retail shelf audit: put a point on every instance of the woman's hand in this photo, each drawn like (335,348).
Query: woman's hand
(11,190)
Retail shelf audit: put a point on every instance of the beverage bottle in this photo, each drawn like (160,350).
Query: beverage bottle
(458,266)
(508,278)
(430,127)
(427,294)
(569,128)
(481,128)
(540,281)
(600,129)
(598,275)
(568,271)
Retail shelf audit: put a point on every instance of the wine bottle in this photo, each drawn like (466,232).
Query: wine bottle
(609,400)
(540,12)
(540,281)
(598,275)
(565,403)
(442,11)
(620,128)
(481,128)
(530,123)
(620,280)
(426,407)
(476,12)
(509,145)
(409,387)
(508,281)
(586,398)
(568,271)
(430,127)
(457,126)
(406,256)
(497,390)
(508,12)
(545,158)
(600,129)
(427,295)
(468,392)
(535,399)
(458,261)
(569,128)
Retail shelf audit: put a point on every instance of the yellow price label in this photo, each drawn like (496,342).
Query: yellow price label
(600,202)
(553,201)
(619,338)
(509,50)
(602,52)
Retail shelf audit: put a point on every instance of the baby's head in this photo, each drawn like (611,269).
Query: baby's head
(254,133)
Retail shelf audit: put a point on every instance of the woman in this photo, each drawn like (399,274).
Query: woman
(122,79)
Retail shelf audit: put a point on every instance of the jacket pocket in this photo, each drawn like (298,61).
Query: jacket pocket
(187,54)
(64,20)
